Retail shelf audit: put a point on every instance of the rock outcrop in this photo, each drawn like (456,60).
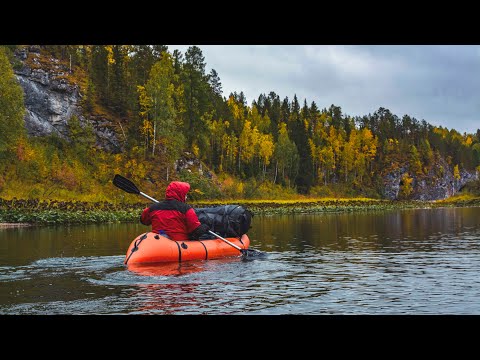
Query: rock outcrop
(190,162)
(51,100)
(438,184)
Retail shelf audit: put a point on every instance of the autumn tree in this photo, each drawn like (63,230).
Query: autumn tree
(456,173)
(405,186)
(161,111)
(285,157)
(265,150)
(247,143)
(415,163)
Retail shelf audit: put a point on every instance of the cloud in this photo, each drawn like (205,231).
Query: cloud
(438,84)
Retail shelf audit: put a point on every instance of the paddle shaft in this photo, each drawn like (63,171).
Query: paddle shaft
(149,197)
(228,242)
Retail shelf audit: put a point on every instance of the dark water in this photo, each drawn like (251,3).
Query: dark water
(403,262)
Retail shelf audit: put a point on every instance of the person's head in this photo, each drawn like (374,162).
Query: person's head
(177,190)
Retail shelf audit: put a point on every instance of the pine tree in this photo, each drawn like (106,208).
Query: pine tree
(196,94)
(299,135)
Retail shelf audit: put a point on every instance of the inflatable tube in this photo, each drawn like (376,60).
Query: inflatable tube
(151,247)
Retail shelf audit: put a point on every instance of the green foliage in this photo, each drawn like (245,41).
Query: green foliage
(286,157)
(90,96)
(472,187)
(197,93)
(66,212)
(322,191)
(415,162)
(12,110)
(82,136)
(441,171)
(201,188)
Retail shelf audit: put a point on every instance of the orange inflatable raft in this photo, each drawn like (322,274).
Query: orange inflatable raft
(151,247)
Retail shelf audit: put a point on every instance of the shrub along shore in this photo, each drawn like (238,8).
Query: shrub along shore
(33,212)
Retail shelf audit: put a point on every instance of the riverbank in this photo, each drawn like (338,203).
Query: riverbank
(11,225)
(30,212)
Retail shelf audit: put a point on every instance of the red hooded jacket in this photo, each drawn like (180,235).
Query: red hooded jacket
(173,216)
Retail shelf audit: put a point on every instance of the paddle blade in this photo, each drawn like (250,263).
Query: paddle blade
(250,254)
(125,184)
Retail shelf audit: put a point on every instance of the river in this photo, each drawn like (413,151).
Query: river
(423,261)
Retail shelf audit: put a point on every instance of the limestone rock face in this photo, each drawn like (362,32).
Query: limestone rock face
(51,100)
(438,184)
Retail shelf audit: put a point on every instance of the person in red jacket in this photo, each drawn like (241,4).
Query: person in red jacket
(173,217)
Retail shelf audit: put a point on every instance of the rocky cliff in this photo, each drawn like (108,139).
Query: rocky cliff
(439,183)
(51,99)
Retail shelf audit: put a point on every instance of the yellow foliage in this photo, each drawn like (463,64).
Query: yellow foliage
(231,187)
(266,148)
(468,140)
(456,172)
(406,187)
(240,188)
(235,108)
(147,128)
(195,149)
(110,58)
(24,151)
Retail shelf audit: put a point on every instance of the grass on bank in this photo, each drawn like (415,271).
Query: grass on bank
(461,199)
(77,212)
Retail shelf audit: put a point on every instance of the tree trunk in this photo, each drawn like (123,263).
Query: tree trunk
(154,137)
(239,155)
(276,170)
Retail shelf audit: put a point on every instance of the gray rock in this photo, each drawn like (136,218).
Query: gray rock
(22,54)
(34,49)
(431,187)
(50,101)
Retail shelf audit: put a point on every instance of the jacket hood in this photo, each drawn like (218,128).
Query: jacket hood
(177,190)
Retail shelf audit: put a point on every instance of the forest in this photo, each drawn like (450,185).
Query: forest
(165,106)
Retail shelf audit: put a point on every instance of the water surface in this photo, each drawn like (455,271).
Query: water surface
(423,261)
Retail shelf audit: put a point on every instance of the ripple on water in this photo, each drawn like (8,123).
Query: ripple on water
(398,272)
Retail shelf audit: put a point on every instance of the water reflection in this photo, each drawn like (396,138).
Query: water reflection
(168,269)
(23,245)
(392,231)
(165,298)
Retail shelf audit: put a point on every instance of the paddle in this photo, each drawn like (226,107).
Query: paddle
(128,186)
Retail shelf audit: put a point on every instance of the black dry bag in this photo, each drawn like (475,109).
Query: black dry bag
(226,220)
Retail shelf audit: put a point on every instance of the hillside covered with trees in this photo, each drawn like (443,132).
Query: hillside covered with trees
(165,110)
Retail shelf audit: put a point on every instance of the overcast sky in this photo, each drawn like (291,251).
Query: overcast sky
(438,84)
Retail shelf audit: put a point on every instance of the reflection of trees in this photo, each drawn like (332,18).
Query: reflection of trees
(386,230)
